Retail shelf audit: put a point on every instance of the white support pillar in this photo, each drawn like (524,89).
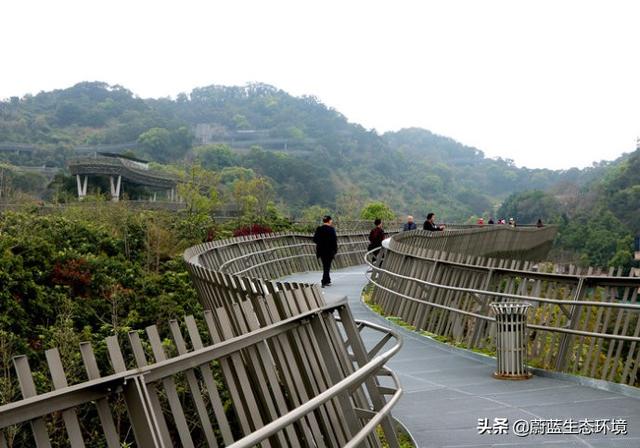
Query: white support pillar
(118,188)
(82,186)
(79,187)
(155,197)
(115,188)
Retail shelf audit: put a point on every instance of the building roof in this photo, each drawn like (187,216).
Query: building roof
(122,156)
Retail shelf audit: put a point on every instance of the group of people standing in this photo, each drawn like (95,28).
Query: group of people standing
(326,240)
(512,222)
(429,224)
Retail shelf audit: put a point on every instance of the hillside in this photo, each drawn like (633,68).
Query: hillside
(598,220)
(311,153)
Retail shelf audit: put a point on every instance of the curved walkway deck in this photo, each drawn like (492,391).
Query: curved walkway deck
(447,390)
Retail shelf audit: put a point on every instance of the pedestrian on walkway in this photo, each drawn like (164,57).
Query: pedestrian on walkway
(430,225)
(409,225)
(376,236)
(326,247)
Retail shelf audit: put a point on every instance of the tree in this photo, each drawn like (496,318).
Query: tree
(156,142)
(164,145)
(375,210)
(216,157)
(349,202)
(314,214)
(199,190)
(252,196)
(529,206)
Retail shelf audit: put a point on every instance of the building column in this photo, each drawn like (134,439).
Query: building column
(82,186)
(115,188)
(155,197)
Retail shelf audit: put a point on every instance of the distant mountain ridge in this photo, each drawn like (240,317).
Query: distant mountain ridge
(319,156)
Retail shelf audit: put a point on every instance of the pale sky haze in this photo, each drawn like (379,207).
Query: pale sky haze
(550,84)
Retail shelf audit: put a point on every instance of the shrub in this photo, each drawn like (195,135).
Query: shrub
(253,229)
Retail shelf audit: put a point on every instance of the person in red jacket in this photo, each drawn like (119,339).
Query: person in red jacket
(375,237)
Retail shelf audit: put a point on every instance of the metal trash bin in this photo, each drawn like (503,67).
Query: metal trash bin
(511,340)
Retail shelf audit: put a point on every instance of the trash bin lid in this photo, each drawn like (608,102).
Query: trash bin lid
(510,307)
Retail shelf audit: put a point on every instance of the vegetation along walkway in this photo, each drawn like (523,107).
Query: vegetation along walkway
(448,394)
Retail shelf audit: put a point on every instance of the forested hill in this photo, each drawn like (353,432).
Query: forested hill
(598,221)
(309,151)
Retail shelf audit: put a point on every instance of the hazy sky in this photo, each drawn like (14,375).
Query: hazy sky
(547,83)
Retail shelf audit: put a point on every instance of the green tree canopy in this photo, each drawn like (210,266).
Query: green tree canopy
(374,210)
(530,206)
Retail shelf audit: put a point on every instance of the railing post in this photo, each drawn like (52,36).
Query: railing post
(28,389)
(360,354)
(145,428)
(574,320)
(484,309)
(139,407)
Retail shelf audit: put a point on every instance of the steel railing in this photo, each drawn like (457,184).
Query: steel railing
(581,322)
(295,369)
(257,355)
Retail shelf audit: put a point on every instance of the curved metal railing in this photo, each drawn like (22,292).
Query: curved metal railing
(582,322)
(294,368)
(334,416)
(370,369)
(497,241)
(238,270)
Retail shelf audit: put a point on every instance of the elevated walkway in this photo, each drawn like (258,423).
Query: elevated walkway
(446,390)
(301,370)
(119,167)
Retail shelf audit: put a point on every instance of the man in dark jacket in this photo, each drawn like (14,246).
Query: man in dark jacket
(409,225)
(326,247)
(430,225)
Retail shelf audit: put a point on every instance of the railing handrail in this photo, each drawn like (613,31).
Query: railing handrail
(601,279)
(487,294)
(68,397)
(354,379)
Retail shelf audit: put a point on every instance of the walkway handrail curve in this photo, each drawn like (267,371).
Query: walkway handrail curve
(229,271)
(275,249)
(488,294)
(581,322)
(355,379)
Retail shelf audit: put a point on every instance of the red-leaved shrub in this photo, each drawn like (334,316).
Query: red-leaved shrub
(253,229)
(74,273)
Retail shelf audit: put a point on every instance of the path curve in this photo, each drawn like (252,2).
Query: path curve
(447,390)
